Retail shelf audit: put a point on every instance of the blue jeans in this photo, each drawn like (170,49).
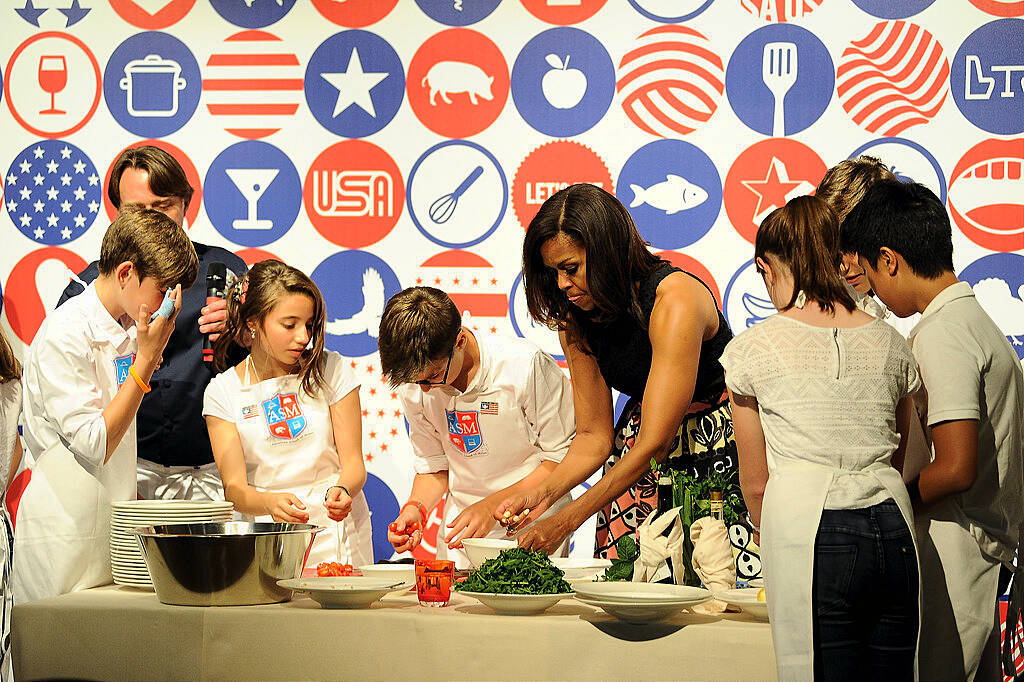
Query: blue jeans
(864,595)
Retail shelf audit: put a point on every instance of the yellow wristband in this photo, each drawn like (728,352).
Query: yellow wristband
(146,388)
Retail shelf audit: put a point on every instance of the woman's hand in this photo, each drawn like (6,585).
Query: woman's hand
(402,534)
(337,503)
(285,508)
(547,535)
(533,502)
(475,521)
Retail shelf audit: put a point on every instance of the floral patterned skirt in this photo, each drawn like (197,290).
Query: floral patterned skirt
(704,443)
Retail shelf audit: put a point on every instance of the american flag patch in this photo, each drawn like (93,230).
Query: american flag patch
(249,411)
(488,407)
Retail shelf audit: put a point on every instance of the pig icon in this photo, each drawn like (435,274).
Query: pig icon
(449,77)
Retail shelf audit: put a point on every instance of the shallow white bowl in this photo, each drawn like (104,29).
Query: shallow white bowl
(480,550)
(628,592)
(637,613)
(581,569)
(392,573)
(746,599)
(517,604)
(343,592)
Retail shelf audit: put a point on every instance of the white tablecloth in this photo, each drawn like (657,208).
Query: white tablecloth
(121,633)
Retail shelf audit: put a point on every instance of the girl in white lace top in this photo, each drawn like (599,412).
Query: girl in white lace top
(815,393)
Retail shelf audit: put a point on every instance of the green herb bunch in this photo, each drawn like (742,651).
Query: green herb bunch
(622,565)
(517,571)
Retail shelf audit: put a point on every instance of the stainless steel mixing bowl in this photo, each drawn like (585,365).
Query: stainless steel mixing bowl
(224,564)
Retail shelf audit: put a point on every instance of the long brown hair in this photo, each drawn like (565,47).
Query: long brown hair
(804,236)
(10,368)
(251,298)
(617,258)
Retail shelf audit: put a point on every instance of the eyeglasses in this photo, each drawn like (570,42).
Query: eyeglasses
(444,379)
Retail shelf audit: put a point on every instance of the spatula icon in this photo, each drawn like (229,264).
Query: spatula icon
(778,71)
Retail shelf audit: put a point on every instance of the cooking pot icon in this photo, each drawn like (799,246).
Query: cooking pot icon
(152,85)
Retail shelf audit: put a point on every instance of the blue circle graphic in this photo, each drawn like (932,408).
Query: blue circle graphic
(461,182)
(673,192)
(746,300)
(258,193)
(905,168)
(893,9)
(998,283)
(383,508)
(252,13)
(354,83)
(987,77)
(780,79)
(457,12)
(563,82)
(663,10)
(52,192)
(355,286)
(152,84)
(523,323)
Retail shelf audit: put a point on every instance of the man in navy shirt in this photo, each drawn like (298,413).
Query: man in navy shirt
(175,460)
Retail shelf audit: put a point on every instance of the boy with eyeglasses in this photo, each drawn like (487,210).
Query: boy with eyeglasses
(488,416)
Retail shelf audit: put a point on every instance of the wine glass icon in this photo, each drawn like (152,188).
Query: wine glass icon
(53,77)
(252,183)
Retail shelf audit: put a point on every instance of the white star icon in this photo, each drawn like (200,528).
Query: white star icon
(354,86)
(94,179)
(12,179)
(39,233)
(79,167)
(39,206)
(79,220)
(65,153)
(38,179)
(25,166)
(79,193)
(93,206)
(65,180)
(52,166)
(25,193)
(65,233)
(52,220)
(12,206)
(52,193)
(38,152)
(65,207)
(25,219)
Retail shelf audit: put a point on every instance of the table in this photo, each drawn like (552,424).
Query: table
(121,633)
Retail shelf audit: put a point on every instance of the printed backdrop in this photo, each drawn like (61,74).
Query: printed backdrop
(378,144)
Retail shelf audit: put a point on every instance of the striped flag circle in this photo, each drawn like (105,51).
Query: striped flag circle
(671,81)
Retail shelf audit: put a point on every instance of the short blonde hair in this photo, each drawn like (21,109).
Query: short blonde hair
(419,326)
(848,181)
(154,244)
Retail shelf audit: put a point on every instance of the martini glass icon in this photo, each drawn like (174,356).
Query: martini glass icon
(252,183)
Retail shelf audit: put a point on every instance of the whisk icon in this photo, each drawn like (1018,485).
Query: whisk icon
(443,207)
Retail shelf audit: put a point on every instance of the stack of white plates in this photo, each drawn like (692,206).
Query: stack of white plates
(640,602)
(126,561)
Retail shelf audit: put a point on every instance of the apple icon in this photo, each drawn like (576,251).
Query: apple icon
(563,87)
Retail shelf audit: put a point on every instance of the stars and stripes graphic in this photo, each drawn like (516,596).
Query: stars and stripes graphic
(489,407)
(473,284)
(894,78)
(253,85)
(53,192)
(671,81)
(780,10)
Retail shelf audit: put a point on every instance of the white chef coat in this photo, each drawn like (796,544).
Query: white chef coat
(75,366)
(827,402)
(288,442)
(970,371)
(516,412)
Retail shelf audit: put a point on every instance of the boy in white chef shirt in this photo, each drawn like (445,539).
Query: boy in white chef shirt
(970,498)
(86,372)
(488,416)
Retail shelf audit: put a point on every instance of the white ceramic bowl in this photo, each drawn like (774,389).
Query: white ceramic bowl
(627,592)
(517,604)
(480,550)
(637,613)
(391,573)
(745,599)
(581,569)
(343,592)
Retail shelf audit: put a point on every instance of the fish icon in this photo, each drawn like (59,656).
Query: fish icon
(673,195)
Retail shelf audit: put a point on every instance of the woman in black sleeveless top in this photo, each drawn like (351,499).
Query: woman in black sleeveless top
(630,321)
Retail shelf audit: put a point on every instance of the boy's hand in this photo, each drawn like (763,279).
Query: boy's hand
(475,521)
(285,508)
(338,504)
(153,335)
(402,534)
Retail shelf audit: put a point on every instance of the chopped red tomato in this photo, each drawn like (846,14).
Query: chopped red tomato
(333,569)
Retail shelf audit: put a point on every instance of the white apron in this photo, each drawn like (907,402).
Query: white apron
(305,465)
(63,530)
(790,515)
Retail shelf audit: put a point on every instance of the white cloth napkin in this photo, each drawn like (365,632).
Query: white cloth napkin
(712,559)
(655,547)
